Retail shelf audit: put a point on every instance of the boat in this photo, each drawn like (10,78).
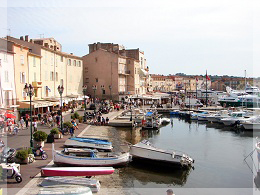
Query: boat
(165,121)
(145,151)
(235,117)
(93,184)
(88,157)
(252,123)
(65,189)
(100,144)
(151,121)
(257,147)
(76,171)
(174,112)
(218,116)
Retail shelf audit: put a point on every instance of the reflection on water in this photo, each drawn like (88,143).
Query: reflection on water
(218,151)
(148,175)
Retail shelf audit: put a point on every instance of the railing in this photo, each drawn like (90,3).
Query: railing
(124,72)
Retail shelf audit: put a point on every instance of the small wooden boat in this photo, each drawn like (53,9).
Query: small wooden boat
(100,144)
(76,171)
(144,151)
(88,157)
(93,184)
(65,189)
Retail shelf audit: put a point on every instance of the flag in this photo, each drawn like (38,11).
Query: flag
(197,79)
(207,77)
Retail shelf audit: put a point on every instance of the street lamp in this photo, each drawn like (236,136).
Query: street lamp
(131,118)
(84,93)
(102,90)
(60,90)
(110,88)
(29,90)
(94,87)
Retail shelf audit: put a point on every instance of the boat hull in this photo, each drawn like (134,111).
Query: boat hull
(76,171)
(63,159)
(154,156)
(75,143)
(251,126)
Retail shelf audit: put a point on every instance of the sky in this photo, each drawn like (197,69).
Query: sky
(176,36)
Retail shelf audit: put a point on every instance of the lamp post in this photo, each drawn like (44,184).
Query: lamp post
(102,90)
(29,90)
(131,118)
(60,90)
(85,87)
(94,87)
(110,88)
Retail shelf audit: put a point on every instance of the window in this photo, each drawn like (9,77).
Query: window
(34,76)
(87,80)
(52,61)
(79,63)
(96,59)
(23,94)
(104,92)
(74,62)
(52,76)
(22,77)
(34,62)
(22,59)
(56,76)
(61,58)
(5,57)
(21,48)
(69,62)
(6,76)
(46,75)
(97,80)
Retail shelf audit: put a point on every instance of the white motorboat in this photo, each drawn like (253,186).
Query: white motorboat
(235,116)
(87,157)
(252,123)
(165,121)
(218,116)
(93,184)
(144,151)
(96,143)
(257,147)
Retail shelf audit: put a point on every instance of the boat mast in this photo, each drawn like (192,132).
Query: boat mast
(206,89)
(245,87)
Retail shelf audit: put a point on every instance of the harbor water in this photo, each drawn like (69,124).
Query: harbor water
(219,154)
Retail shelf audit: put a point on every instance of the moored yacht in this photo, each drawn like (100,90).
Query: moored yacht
(144,151)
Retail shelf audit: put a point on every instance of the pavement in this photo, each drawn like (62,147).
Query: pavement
(22,139)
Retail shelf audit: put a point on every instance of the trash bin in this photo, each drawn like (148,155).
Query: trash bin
(50,138)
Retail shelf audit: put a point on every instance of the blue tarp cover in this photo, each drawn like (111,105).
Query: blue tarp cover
(91,140)
(149,113)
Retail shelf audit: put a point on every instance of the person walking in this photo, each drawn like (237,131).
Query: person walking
(34,125)
(27,121)
(72,131)
(22,123)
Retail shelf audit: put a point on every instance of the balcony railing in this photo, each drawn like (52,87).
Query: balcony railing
(124,72)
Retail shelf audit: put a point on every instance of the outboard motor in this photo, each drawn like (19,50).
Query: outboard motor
(8,155)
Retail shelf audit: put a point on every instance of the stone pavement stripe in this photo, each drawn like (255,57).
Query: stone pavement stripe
(31,183)
(84,131)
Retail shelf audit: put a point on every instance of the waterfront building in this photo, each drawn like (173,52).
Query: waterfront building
(110,65)
(7,81)
(163,83)
(46,67)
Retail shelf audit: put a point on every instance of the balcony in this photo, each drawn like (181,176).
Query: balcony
(124,72)
(37,84)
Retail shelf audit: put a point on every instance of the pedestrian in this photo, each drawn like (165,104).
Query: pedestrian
(22,123)
(9,125)
(39,117)
(58,120)
(72,131)
(107,120)
(26,121)
(34,123)
(103,121)
(169,192)
(15,131)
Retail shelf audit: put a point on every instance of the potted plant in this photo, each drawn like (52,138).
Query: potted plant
(22,156)
(76,115)
(80,119)
(39,137)
(56,133)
